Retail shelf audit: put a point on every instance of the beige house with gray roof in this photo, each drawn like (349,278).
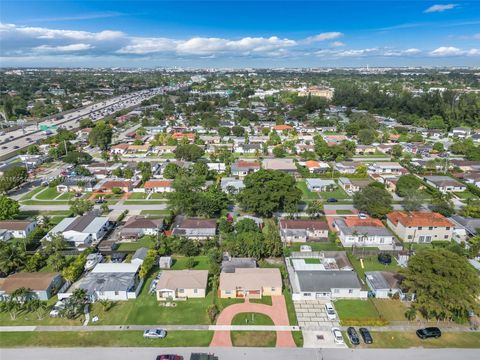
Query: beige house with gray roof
(182,284)
(253,283)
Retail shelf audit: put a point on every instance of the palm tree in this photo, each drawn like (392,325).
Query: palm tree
(106,304)
(12,257)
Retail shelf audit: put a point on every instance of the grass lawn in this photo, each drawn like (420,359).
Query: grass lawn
(49,193)
(466,195)
(252,319)
(356,309)
(298,338)
(370,264)
(45,202)
(29,195)
(391,310)
(311,261)
(103,339)
(403,340)
(292,315)
(53,213)
(30,319)
(338,193)
(159,196)
(253,338)
(144,202)
(137,196)
(180,263)
(145,241)
(155,212)
(344,212)
(66,196)
(306,194)
(266,300)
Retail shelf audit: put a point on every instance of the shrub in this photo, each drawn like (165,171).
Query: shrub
(212,312)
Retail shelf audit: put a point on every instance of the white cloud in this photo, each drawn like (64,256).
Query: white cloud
(66,48)
(337,44)
(445,51)
(368,52)
(440,8)
(322,37)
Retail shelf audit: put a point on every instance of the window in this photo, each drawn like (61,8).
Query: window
(447,228)
(195,291)
(350,291)
(117,293)
(419,228)
(307,294)
(181,291)
(445,237)
(430,228)
(336,291)
(228,292)
(410,236)
(273,289)
(421,239)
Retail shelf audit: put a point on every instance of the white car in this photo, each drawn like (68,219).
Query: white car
(154,333)
(330,310)
(362,216)
(92,260)
(337,336)
(55,312)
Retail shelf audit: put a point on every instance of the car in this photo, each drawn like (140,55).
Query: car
(384,259)
(100,201)
(362,216)
(332,200)
(366,336)
(4,147)
(155,333)
(169,357)
(330,310)
(16,147)
(353,336)
(429,332)
(337,335)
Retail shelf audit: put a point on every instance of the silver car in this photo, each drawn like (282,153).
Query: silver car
(154,333)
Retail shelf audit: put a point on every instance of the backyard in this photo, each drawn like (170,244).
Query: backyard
(370,263)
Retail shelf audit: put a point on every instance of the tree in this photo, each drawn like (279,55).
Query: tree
(267,191)
(407,183)
(315,208)
(397,151)
(190,263)
(35,262)
(279,151)
(81,206)
(9,208)
(413,200)
(438,147)
(238,131)
(246,225)
(101,135)
(442,206)
(189,152)
(12,177)
(367,136)
(77,158)
(375,201)
(12,257)
(57,261)
(54,244)
(171,171)
(106,304)
(445,285)
(74,304)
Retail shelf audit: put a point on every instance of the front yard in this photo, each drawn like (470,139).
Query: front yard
(356,310)
(307,195)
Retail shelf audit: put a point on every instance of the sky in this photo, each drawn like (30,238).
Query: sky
(225,34)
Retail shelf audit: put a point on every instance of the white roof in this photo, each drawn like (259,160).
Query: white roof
(116,268)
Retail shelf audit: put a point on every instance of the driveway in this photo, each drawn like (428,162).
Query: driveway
(277,312)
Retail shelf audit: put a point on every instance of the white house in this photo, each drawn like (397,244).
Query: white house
(16,228)
(353,231)
(320,185)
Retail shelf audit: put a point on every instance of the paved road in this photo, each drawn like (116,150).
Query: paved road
(238,353)
(111,207)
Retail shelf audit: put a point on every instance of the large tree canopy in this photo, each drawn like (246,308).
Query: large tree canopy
(267,191)
(101,135)
(189,152)
(9,208)
(375,201)
(445,285)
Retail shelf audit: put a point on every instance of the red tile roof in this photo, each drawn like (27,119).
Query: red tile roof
(157,183)
(353,221)
(282,127)
(416,219)
(312,164)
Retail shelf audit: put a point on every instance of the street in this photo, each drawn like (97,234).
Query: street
(238,353)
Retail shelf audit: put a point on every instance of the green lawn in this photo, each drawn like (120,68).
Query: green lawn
(144,202)
(292,315)
(338,193)
(466,195)
(137,196)
(159,196)
(52,213)
(265,300)
(180,263)
(146,241)
(103,339)
(45,202)
(29,195)
(344,212)
(253,338)
(252,319)
(391,310)
(306,194)
(356,309)
(370,264)
(404,340)
(311,261)
(49,193)
(155,212)
(66,196)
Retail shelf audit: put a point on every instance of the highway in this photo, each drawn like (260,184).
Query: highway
(238,353)
(12,142)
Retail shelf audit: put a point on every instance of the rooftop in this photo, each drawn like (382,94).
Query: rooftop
(416,219)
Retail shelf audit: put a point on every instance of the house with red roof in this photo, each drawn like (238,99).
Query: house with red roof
(155,186)
(353,231)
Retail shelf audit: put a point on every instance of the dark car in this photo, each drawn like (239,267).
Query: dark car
(429,332)
(332,200)
(4,147)
(169,357)
(16,147)
(100,201)
(366,336)
(353,336)
(384,259)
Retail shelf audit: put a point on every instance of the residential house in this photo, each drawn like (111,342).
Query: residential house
(353,185)
(194,228)
(230,264)
(139,226)
(387,168)
(242,168)
(164,149)
(384,284)
(123,185)
(445,184)
(77,184)
(353,231)
(119,149)
(109,281)
(217,167)
(282,128)
(292,231)
(460,132)
(139,255)
(252,283)
(182,284)
(158,186)
(420,227)
(320,185)
(253,148)
(284,165)
(316,167)
(346,167)
(82,230)
(43,284)
(16,228)
(231,185)
(365,149)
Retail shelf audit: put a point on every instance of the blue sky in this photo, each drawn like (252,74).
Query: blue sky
(239,33)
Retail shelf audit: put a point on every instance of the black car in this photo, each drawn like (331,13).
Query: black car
(353,336)
(384,259)
(429,332)
(100,201)
(366,336)
(332,200)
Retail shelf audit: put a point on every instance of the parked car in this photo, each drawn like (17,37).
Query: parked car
(353,336)
(100,201)
(362,215)
(55,312)
(330,310)
(92,260)
(429,332)
(169,357)
(366,336)
(384,259)
(337,335)
(155,333)
(332,200)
